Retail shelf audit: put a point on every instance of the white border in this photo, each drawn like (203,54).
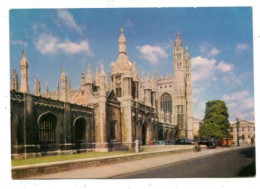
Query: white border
(5,173)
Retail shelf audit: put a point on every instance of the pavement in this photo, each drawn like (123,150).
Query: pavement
(122,168)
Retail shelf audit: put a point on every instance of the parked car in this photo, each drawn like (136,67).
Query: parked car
(210,142)
(184,141)
(159,142)
(169,142)
(193,141)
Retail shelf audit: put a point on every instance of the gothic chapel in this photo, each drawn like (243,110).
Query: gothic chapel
(107,112)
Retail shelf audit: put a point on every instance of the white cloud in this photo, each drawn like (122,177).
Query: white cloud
(208,50)
(19,42)
(66,17)
(152,53)
(224,67)
(46,43)
(50,44)
(241,95)
(231,80)
(241,47)
(75,48)
(203,69)
(240,104)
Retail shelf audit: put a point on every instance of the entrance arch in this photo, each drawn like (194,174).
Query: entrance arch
(47,130)
(80,131)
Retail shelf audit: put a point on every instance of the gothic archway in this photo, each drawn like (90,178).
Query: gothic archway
(80,132)
(47,130)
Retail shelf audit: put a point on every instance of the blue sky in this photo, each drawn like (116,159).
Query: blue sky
(219,41)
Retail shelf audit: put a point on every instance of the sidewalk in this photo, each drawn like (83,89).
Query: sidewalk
(106,167)
(118,169)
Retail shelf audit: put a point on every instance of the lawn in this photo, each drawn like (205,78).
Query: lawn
(47,159)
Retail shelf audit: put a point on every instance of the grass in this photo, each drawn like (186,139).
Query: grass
(47,159)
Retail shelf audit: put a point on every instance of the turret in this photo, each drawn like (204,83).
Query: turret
(102,82)
(189,100)
(14,81)
(147,91)
(37,86)
(135,87)
(64,85)
(58,90)
(24,64)
(97,84)
(82,79)
(122,42)
(47,89)
(89,79)
(180,106)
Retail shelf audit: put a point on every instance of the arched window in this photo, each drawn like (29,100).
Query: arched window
(47,128)
(166,107)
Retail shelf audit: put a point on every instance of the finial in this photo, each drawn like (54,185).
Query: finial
(24,53)
(121,30)
(178,33)
(102,73)
(186,48)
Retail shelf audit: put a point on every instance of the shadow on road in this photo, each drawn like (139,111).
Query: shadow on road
(249,170)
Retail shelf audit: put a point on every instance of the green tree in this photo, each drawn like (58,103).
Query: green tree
(215,123)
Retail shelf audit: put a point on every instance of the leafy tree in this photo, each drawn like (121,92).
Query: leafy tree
(215,123)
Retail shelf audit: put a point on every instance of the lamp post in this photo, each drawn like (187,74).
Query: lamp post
(238,125)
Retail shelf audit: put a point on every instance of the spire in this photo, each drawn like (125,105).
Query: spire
(122,42)
(14,81)
(89,78)
(96,77)
(178,42)
(47,89)
(37,86)
(147,84)
(24,60)
(24,64)
(102,73)
(186,53)
(64,85)
(102,81)
(82,79)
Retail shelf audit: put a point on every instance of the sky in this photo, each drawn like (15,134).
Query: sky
(220,44)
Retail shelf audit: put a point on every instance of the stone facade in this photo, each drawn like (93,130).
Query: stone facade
(196,126)
(103,114)
(246,131)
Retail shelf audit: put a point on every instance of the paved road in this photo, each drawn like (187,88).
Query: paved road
(122,169)
(226,164)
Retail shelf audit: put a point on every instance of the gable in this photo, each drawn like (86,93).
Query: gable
(112,96)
